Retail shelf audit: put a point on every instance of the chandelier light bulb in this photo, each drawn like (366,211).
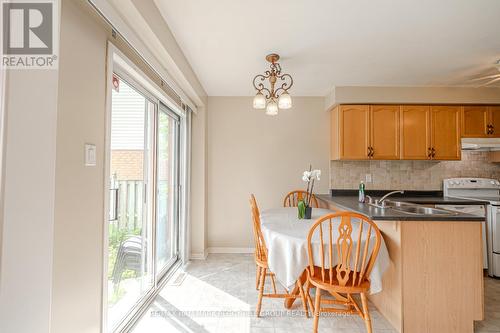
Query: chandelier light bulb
(272,108)
(285,101)
(259,101)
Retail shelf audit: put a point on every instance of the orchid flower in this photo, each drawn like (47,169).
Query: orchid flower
(316,174)
(307,176)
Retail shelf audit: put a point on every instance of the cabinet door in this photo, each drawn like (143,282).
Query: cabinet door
(475,120)
(384,131)
(445,132)
(354,131)
(415,132)
(494,113)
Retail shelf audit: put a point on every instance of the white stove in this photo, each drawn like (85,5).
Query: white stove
(486,191)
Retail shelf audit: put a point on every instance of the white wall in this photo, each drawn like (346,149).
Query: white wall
(249,152)
(28,214)
(79,209)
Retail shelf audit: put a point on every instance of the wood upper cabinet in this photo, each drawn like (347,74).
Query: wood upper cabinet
(445,132)
(354,131)
(481,121)
(384,132)
(408,132)
(475,121)
(415,132)
(494,115)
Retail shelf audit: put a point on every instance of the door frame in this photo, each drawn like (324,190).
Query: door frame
(161,273)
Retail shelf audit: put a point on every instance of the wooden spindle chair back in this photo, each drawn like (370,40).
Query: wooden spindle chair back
(347,264)
(260,244)
(345,268)
(292,199)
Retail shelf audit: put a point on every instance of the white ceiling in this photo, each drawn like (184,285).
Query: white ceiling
(326,43)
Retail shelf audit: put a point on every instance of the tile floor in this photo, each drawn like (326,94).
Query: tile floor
(218,295)
(491,322)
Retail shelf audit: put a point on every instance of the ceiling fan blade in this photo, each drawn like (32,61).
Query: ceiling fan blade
(490,82)
(486,77)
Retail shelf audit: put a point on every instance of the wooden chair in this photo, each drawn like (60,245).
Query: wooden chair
(347,269)
(262,266)
(292,199)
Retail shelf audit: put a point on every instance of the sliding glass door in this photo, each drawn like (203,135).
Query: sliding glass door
(144,198)
(130,230)
(167,187)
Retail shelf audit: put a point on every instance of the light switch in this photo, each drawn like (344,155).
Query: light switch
(90,155)
(368,177)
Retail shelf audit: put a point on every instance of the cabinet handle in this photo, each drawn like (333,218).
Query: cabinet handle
(373,152)
(369,152)
(492,129)
(433,152)
(429,152)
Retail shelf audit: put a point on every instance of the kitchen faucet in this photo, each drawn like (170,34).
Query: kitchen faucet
(380,202)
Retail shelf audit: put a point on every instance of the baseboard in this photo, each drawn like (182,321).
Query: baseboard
(230,250)
(199,256)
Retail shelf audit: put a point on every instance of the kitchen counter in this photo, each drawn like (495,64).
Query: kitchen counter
(428,253)
(350,203)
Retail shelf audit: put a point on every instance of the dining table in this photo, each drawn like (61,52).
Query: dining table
(287,250)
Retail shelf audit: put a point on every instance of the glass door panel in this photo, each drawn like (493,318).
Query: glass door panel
(130,255)
(167,171)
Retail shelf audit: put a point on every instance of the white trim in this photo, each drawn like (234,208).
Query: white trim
(231,250)
(185,177)
(199,256)
(107,160)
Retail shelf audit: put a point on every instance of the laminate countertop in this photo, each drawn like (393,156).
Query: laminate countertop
(351,203)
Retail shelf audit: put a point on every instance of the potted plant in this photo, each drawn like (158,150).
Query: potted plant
(304,205)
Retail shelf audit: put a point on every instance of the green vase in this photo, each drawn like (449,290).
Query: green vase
(301,205)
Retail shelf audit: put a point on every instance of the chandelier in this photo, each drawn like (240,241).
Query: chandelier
(272,99)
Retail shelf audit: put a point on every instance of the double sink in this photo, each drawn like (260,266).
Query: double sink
(410,208)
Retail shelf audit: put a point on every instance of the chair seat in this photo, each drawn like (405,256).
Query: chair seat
(335,286)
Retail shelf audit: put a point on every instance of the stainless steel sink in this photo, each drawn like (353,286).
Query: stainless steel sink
(422,210)
(392,204)
(413,209)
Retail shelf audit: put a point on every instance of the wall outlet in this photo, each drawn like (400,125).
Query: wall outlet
(368,178)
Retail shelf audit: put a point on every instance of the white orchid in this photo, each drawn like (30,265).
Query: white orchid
(316,174)
(306,176)
(309,177)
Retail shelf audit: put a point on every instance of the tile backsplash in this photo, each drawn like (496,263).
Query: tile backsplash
(410,175)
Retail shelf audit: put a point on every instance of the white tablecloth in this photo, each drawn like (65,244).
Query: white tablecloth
(286,240)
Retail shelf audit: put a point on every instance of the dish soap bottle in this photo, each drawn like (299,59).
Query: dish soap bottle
(361,196)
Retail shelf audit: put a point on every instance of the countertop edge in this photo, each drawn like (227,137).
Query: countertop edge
(400,216)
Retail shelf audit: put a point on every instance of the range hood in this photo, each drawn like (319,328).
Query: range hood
(481,144)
